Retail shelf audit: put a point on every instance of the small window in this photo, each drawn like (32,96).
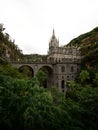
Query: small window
(72,68)
(62,69)
(56,60)
(70,50)
(72,76)
(68,77)
(62,77)
(63,59)
(50,59)
(63,84)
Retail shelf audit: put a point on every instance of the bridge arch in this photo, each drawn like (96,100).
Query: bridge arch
(47,67)
(26,70)
(35,67)
(49,75)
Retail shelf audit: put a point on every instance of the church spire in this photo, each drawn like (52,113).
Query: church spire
(53,41)
(53,35)
(53,32)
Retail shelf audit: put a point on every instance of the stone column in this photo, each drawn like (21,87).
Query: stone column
(35,69)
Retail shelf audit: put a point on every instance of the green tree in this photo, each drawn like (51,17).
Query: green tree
(82,101)
(26,71)
(24,104)
(41,76)
(84,76)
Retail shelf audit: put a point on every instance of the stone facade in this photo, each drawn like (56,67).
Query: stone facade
(66,62)
(58,54)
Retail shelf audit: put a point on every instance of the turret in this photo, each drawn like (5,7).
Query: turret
(54,43)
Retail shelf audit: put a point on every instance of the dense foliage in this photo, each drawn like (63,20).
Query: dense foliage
(34,58)
(25,105)
(7,70)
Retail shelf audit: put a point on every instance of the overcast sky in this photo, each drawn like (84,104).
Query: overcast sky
(31,22)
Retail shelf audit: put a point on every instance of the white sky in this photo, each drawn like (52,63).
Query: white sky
(31,22)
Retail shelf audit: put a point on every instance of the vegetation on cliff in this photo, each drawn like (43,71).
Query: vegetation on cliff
(89,47)
(34,58)
(8,49)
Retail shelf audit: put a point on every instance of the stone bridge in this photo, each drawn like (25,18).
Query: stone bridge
(34,66)
(57,73)
(62,64)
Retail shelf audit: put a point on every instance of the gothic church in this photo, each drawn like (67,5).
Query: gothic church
(66,62)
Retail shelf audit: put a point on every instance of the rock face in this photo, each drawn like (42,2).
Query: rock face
(8,50)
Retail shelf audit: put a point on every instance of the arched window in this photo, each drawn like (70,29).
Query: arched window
(62,77)
(59,60)
(62,69)
(72,68)
(50,59)
(63,84)
(56,60)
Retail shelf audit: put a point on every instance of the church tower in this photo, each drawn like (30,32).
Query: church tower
(53,48)
(54,43)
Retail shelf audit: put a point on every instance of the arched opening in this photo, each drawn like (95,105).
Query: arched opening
(72,69)
(46,76)
(26,71)
(62,69)
(63,85)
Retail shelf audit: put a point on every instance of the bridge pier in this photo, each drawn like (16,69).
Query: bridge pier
(35,69)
